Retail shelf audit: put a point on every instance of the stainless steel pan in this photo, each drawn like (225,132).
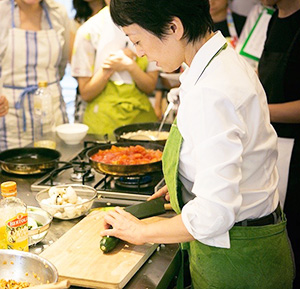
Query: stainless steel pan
(124,170)
(29,160)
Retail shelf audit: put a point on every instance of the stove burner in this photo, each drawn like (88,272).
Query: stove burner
(134,182)
(82,172)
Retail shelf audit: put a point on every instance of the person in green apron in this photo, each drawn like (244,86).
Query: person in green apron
(112,80)
(219,162)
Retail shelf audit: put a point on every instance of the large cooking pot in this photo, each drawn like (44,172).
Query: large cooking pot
(29,160)
(152,126)
(124,170)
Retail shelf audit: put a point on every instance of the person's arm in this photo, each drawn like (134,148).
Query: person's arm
(288,112)
(126,227)
(3,106)
(145,81)
(91,87)
(157,105)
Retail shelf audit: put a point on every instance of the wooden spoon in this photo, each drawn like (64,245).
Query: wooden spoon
(58,285)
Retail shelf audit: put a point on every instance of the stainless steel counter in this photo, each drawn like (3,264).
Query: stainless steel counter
(158,272)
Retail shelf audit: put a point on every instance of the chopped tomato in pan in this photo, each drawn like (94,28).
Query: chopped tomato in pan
(132,155)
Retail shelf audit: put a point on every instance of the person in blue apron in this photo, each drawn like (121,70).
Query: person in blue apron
(33,47)
(279,73)
(228,22)
(219,162)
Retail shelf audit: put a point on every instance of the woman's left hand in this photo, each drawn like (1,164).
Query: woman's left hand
(123,225)
(3,105)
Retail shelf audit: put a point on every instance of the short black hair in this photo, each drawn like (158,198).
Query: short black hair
(83,10)
(155,15)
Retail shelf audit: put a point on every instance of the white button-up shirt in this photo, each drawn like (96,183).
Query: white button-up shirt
(229,148)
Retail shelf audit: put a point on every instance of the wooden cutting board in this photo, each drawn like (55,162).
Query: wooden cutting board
(78,258)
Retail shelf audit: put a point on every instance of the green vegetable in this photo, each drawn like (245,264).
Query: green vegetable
(108,243)
(39,224)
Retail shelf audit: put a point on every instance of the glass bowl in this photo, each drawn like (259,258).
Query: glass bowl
(62,203)
(39,222)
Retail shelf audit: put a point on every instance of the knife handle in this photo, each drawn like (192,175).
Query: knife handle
(168,207)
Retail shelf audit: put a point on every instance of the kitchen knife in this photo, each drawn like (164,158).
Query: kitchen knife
(147,209)
(143,210)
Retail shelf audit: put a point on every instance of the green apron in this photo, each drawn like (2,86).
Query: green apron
(118,105)
(259,257)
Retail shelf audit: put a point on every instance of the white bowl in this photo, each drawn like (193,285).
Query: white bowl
(72,133)
(68,211)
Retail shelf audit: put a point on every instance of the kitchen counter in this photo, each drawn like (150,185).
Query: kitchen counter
(158,272)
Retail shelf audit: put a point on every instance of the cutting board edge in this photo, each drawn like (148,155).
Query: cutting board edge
(138,266)
(87,283)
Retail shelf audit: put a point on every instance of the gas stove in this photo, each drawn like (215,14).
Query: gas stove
(111,190)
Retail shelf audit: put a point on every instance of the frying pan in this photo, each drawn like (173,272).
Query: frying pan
(29,160)
(153,126)
(124,170)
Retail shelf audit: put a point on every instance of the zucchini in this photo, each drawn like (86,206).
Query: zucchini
(108,243)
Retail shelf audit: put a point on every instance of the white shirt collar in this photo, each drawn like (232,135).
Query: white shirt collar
(189,77)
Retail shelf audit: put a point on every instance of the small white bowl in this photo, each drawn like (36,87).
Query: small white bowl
(43,220)
(72,133)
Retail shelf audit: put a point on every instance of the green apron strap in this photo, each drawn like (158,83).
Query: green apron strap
(170,163)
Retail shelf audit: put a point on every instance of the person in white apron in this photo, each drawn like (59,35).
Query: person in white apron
(219,162)
(28,56)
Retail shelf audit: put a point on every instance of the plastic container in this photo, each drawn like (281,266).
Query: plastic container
(44,122)
(14,228)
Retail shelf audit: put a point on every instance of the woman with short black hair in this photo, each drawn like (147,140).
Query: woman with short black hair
(219,162)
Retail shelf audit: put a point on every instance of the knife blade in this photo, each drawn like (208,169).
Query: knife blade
(147,209)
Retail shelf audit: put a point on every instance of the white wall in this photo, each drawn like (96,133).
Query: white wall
(69,5)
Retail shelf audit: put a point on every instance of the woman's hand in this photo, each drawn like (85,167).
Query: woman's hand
(163,192)
(123,225)
(3,105)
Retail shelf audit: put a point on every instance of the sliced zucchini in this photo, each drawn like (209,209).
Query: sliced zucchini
(108,243)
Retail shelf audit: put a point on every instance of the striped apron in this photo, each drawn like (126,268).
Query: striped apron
(30,57)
